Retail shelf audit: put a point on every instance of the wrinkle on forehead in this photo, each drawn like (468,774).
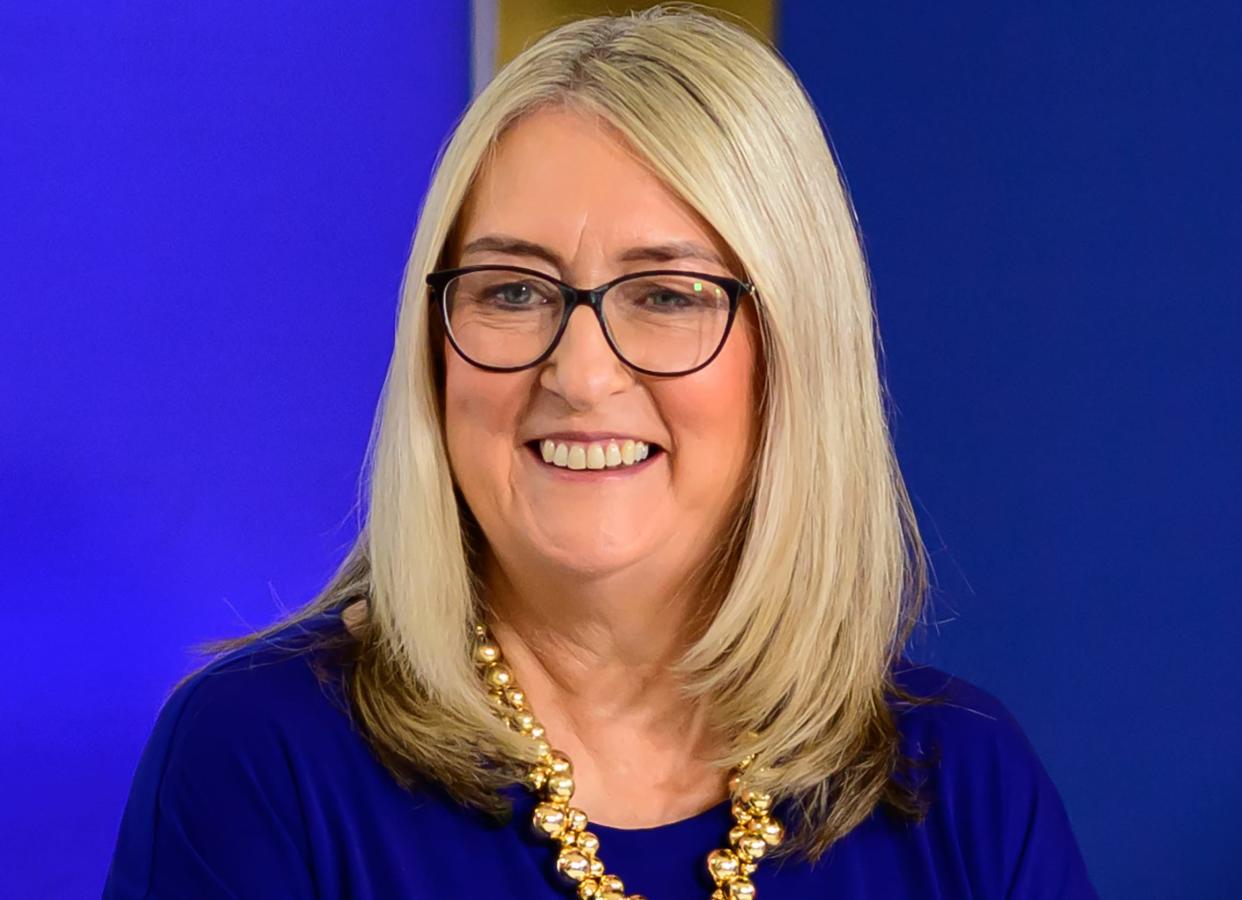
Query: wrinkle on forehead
(583,222)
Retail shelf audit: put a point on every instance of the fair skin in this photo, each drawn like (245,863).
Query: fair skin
(587,574)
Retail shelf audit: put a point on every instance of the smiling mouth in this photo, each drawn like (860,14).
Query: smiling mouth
(595,458)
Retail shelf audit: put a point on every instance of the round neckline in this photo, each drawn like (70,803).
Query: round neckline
(692,827)
(690,822)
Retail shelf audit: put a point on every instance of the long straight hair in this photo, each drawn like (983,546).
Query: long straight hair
(826,572)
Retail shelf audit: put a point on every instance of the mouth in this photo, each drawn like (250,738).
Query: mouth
(595,459)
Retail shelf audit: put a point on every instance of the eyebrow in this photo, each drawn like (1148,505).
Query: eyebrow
(667,251)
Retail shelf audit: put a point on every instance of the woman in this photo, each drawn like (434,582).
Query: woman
(627,614)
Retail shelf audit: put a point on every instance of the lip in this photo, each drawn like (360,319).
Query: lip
(532,451)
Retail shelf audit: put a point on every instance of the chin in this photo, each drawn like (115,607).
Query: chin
(591,559)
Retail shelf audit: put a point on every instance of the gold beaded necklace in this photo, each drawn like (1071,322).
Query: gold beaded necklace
(551,778)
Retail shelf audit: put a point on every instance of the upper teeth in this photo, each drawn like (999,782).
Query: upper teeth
(599,455)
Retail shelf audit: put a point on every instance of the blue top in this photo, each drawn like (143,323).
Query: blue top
(254,784)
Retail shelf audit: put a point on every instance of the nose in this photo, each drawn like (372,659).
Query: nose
(583,369)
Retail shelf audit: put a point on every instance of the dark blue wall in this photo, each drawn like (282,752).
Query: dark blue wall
(206,211)
(1049,195)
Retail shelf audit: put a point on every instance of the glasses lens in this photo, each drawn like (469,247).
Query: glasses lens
(667,323)
(502,318)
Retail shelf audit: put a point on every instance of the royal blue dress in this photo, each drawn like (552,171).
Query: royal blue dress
(254,784)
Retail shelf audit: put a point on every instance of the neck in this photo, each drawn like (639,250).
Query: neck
(594,658)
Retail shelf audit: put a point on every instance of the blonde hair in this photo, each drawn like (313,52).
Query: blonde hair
(826,571)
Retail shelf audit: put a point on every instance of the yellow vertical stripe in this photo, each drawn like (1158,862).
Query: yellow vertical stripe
(521,21)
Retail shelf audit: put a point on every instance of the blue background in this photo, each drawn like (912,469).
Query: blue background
(206,215)
(1049,197)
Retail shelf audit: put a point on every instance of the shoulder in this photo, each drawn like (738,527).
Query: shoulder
(246,708)
(216,796)
(253,696)
(962,737)
(990,796)
(955,719)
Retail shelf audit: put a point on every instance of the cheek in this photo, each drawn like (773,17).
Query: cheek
(713,417)
(480,414)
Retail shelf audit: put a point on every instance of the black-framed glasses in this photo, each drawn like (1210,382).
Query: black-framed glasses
(660,322)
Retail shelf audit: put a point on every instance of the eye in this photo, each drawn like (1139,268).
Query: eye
(515,294)
(666,299)
(681,295)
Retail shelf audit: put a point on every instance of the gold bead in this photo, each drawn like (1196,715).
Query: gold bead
(718,894)
(523,720)
(753,846)
(587,842)
(771,831)
(486,653)
(549,819)
(757,801)
(722,864)
(542,749)
(749,868)
(497,700)
(559,787)
(575,819)
(597,868)
(536,731)
(611,883)
(573,864)
(736,833)
(559,763)
(516,696)
(588,888)
(498,676)
(741,812)
(606,894)
(740,889)
(536,777)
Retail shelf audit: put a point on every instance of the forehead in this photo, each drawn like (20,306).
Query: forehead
(563,177)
